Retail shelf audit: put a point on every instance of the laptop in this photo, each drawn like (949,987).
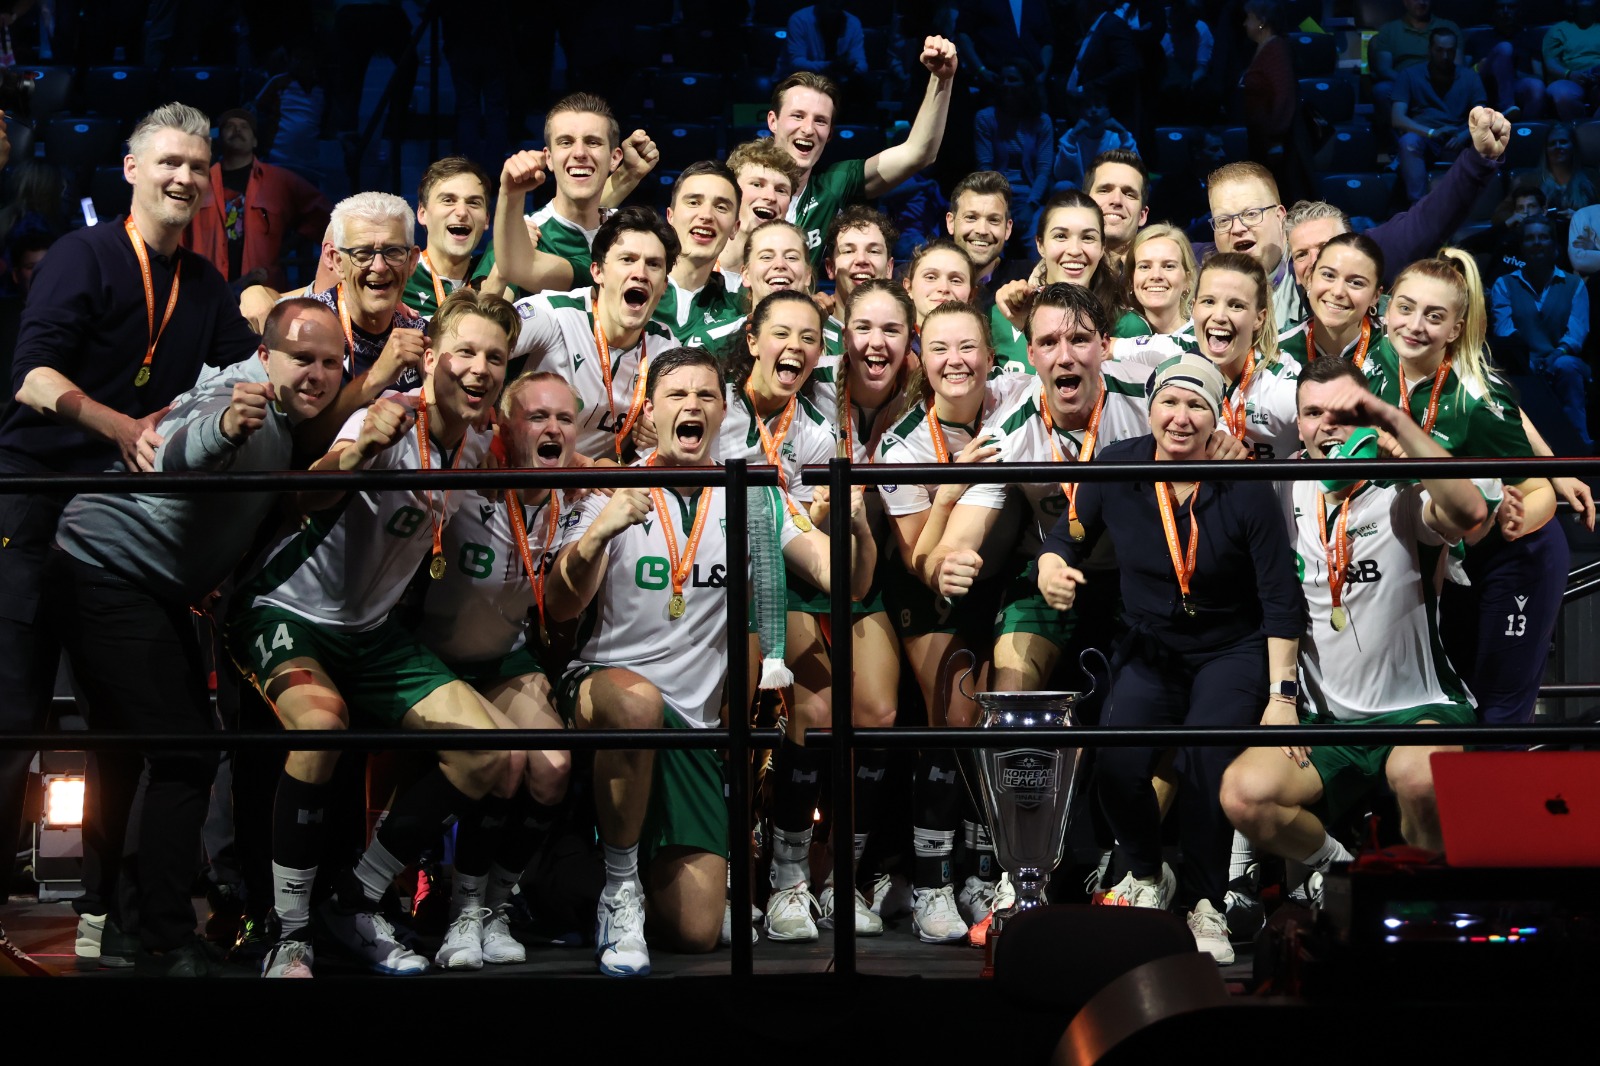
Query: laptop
(1519,808)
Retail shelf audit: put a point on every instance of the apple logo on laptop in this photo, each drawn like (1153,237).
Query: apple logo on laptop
(1556,805)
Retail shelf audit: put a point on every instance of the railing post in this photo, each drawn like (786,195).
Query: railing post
(844,822)
(738,717)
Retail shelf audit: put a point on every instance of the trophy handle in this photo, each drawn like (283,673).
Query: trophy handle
(972,664)
(1093,682)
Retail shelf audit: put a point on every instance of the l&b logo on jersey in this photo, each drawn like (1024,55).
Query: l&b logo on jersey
(653,573)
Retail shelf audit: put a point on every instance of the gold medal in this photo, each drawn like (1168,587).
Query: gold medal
(1075,528)
(676,606)
(802,521)
(1189,608)
(436,568)
(142,378)
(1339,618)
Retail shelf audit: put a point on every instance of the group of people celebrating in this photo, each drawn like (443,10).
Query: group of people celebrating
(597,333)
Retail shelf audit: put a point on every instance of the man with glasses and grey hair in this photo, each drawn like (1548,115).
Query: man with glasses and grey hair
(1247,215)
(371,236)
(120,321)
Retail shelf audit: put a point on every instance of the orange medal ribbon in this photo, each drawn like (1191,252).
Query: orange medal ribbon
(1433,400)
(1182,562)
(344,322)
(1234,416)
(1360,356)
(771,442)
(438,289)
(519,532)
(638,385)
(142,376)
(1085,451)
(1337,554)
(436,565)
(680,572)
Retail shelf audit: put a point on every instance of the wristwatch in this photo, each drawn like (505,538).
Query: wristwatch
(1287,689)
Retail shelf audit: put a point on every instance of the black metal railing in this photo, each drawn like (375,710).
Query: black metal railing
(739,738)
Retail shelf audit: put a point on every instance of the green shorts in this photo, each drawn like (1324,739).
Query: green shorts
(688,807)
(915,610)
(1023,610)
(486,673)
(1349,773)
(808,599)
(381,673)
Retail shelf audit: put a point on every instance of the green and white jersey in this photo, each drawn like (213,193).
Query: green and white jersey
(910,440)
(1471,421)
(482,606)
(558,335)
(1024,438)
(1152,349)
(419,295)
(809,440)
(1293,342)
(828,190)
(1010,346)
(627,624)
(559,236)
(700,319)
(1389,657)
(345,568)
(866,420)
(1134,324)
(833,336)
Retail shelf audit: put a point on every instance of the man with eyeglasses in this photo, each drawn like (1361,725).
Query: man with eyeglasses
(1247,216)
(372,240)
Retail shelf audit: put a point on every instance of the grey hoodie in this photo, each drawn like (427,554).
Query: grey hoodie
(181,547)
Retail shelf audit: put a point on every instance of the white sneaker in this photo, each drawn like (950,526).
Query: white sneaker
(288,958)
(867,923)
(619,934)
(980,898)
(1210,930)
(789,914)
(463,942)
(935,916)
(725,938)
(1132,891)
(91,927)
(369,938)
(499,946)
(891,897)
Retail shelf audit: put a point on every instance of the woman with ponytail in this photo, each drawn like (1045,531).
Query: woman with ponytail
(1436,365)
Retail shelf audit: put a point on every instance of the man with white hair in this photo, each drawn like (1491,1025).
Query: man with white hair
(372,239)
(120,322)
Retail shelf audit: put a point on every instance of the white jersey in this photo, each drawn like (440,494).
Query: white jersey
(1152,349)
(627,624)
(1023,437)
(482,606)
(910,440)
(345,568)
(558,335)
(868,423)
(1389,656)
(810,439)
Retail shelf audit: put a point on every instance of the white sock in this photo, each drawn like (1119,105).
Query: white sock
(1331,852)
(502,883)
(1244,856)
(860,846)
(791,857)
(466,892)
(622,868)
(376,870)
(291,895)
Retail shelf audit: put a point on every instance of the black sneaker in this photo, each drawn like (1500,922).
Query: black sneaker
(255,939)
(193,958)
(118,950)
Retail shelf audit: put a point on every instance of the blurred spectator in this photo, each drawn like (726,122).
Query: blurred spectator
(918,209)
(482,56)
(1513,64)
(1563,176)
(1270,99)
(37,200)
(1397,46)
(1092,134)
(290,109)
(1503,240)
(1572,61)
(995,32)
(1017,138)
(1431,103)
(362,30)
(1583,241)
(1106,62)
(1182,198)
(825,39)
(1188,94)
(251,208)
(1541,312)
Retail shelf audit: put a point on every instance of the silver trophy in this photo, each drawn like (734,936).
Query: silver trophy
(1027,789)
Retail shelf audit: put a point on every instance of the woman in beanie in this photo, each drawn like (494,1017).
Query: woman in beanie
(1215,615)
